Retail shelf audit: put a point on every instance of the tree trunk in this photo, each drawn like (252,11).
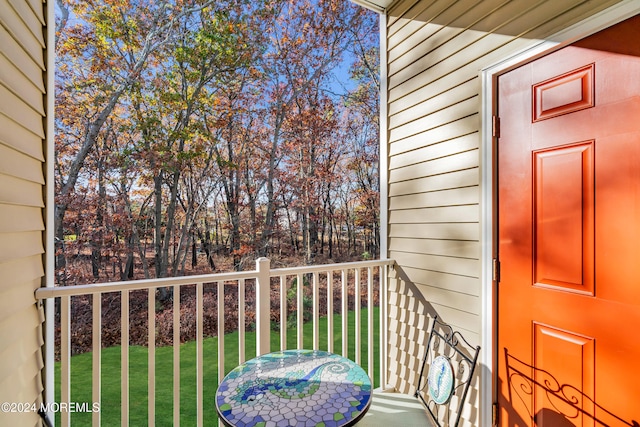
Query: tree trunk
(97,238)
(194,251)
(206,244)
(157,244)
(269,220)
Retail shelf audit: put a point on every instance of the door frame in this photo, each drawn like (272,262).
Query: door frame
(488,182)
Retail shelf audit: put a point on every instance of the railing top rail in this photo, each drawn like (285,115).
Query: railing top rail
(286,271)
(58,291)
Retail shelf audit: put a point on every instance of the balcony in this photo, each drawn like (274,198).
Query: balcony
(265,300)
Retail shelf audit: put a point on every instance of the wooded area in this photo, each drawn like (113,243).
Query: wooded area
(189,131)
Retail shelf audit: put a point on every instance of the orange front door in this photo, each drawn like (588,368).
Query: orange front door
(569,235)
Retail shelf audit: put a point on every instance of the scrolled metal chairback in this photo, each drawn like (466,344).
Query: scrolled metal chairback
(446,373)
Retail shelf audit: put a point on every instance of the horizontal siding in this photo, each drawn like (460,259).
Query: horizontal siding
(21,138)
(14,53)
(20,372)
(22,111)
(467,323)
(15,300)
(464,108)
(10,388)
(457,196)
(442,22)
(37,10)
(422,14)
(31,19)
(16,164)
(441,264)
(464,213)
(445,181)
(465,29)
(434,151)
(450,248)
(18,245)
(21,269)
(403,112)
(22,385)
(438,166)
(23,24)
(19,191)
(10,393)
(14,218)
(19,111)
(442,133)
(436,50)
(443,231)
(451,282)
(19,84)
(19,345)
(402,13)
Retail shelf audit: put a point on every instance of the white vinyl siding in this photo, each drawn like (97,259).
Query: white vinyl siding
(436,51)
(22,119)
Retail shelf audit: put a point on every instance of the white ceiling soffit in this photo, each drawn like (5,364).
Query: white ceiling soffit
(376,5)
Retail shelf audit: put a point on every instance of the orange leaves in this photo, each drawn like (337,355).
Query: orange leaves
(227,115)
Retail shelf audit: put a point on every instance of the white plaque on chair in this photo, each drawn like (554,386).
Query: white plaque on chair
(440,380)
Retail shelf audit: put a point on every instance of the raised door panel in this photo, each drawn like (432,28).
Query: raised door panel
(563,218)
(564,376)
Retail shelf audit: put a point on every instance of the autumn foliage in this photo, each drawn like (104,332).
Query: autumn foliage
(196,135)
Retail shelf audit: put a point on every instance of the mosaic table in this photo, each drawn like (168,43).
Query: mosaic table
(294,388)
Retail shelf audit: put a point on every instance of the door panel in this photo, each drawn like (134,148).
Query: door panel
(564,94)
(563,217)
(569,233)
(570,358)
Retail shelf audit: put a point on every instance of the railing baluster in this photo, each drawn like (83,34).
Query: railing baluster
(65,357)
(316,311)
(345,314)
(383,326)
(263,306)
(370,321)
(151,356)
(96,338)
(358,323)
(124,358)
(300,308)
(199,354)
(330,311)
(220,331)
(283,313)
(241,327)
(176,355)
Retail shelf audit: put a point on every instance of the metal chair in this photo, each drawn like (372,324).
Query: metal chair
(443,385)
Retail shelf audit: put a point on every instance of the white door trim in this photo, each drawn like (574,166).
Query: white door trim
(488,76)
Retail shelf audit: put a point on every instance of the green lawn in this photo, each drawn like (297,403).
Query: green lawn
(110,407)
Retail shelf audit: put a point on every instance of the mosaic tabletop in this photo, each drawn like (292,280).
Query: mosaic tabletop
(294,388)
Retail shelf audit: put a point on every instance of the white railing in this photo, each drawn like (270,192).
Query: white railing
(265,281)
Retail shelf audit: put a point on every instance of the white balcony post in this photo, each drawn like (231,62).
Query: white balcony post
(263,306)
